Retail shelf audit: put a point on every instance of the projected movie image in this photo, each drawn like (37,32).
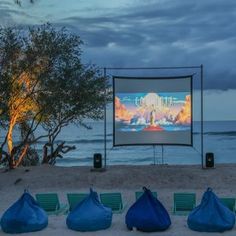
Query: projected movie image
(153,112)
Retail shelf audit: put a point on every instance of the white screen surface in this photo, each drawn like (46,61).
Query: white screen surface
(152,111)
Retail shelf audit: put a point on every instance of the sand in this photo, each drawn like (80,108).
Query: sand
(126,179)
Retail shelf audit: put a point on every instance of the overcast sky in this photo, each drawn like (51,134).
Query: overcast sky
(134,33)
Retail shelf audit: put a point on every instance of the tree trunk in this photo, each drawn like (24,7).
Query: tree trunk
(11,161)
(45,154)
(22,155)
(10,142)
(51,158)
(9,138)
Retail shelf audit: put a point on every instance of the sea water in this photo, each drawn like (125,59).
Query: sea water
(219,138)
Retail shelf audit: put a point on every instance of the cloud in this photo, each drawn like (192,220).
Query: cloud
(11,14)
(149,33)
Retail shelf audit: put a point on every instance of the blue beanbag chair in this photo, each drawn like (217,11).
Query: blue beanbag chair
(211,215)
(89,215)
(147,214)
(25,215)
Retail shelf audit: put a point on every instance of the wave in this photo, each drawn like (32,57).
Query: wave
(69,159)
(102,135)
(225,133)
(80,141)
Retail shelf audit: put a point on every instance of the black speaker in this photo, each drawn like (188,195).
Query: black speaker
(209,160)
(97,160)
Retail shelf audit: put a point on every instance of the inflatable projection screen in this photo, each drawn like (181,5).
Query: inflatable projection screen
(152,111)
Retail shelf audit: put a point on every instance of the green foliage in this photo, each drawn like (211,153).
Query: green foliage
(43,81)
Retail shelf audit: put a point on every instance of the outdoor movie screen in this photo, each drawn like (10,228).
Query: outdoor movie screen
(152,111)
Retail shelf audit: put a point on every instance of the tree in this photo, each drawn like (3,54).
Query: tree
(43,83)
(18,98)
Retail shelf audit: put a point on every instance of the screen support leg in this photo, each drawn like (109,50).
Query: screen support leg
(105,121)
(202,119)
(154,155)
(162,154)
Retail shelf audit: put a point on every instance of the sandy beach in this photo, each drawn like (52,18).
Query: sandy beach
(126,179)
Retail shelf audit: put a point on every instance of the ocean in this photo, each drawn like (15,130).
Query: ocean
(219,138)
